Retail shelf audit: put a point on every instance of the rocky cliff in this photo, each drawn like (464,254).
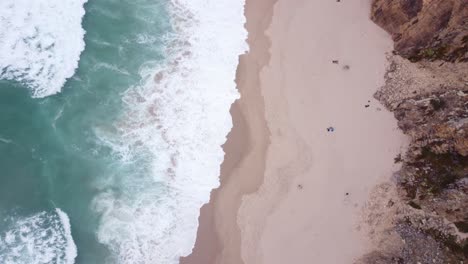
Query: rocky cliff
(425,29)
(422,216)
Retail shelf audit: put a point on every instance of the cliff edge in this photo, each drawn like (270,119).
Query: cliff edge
(422,215)
(425,29)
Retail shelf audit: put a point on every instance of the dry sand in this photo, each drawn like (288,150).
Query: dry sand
(292,192)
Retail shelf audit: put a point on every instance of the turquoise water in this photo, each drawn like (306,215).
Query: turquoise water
(50,156)
(110,141)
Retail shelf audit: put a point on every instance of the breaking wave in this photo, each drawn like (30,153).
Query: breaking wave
(44,238)
(169,139)
(40,42)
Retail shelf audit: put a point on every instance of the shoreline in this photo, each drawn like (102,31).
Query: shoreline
(245,148)
(286,196)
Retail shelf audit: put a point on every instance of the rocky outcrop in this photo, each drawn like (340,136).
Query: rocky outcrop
(434,175)
(430,101)
(429,211)
(425,29)
(422,216)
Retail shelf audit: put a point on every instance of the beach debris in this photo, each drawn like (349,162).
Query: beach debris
(330,129)
(299,186)
(335,61)
(346,67)
(367,105)
(338,1)
(347,193)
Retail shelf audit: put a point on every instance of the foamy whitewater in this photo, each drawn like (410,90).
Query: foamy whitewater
(40,42)
(177,120)
(131,147)
(38,239)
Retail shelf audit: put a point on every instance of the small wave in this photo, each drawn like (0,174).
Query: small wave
(40,42)
(102,65)
(44,238)
(70,251)
(5,140)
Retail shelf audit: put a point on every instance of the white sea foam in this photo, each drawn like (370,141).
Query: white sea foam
(174,126)
(70,250)
(40,42)
(44,238)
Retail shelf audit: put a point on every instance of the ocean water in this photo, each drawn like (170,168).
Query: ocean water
(112,117)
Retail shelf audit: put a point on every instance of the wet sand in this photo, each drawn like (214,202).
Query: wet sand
(291,191)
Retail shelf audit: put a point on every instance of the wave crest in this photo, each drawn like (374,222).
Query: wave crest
(40,42)
(44,238)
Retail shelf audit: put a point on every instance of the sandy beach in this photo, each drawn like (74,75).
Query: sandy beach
(309,141)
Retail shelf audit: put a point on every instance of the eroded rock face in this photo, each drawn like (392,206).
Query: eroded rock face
(430,102)
(425,29)
(422,216)
(434,175)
